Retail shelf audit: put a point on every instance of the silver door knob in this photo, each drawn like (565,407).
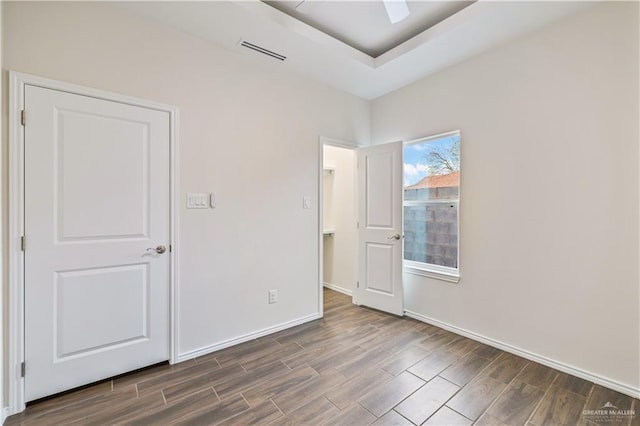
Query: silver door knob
(160,249)
(394,237)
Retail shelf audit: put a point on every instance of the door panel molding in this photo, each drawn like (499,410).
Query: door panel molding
(16,326)
(380,230)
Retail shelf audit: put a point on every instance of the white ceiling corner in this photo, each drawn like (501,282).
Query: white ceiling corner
(470,30)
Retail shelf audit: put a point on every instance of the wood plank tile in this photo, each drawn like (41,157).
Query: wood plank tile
(401,325)
(295,336)
(573,384)
(178,409)
(433,364)
(233,353)
(259,359)
(364,361)
(404,359)
(126,410)
(69,397)
(487,351)
(353,415)
(290,335)
(309,390)
(392,419)
(240,383)
(309,355)
(517,403)
(559,407)
(505,367)
(337,357)
(188,385)
(176,376)
(601,397)
(420,405)
(345,394)
(262,414)
(488,420)
(426,329)
(278,374)
(476,396)
(385,320)
(446,416)
(353,320)
(215,413)
(278,385)
(385,397)
(393,340)
(315,412)
(538,375)
(462,346)
(465,369)
(320,339)
(150,372)
(402,341)
(272,347)
(439,340)
(80,410)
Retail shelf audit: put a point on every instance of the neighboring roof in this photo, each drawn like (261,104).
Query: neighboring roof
(437,181)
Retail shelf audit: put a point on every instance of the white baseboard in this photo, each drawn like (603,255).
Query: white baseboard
(574,371)
(5,414)
(338,289)
(245,338)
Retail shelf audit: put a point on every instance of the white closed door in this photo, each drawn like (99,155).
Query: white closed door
(380,228)
(96,199)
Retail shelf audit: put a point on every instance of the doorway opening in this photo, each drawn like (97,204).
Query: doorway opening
(339,259)
(363,200)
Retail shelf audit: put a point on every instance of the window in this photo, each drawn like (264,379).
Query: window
(431,198)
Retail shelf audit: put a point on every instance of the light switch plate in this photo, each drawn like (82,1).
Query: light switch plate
(197,201)
(306,202)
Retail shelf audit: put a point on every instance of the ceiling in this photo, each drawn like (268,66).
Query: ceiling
(341,60)
(364,25)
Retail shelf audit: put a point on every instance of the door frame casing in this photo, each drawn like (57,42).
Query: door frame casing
(15,349)
(322,141)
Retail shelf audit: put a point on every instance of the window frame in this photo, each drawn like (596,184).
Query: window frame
(430,270)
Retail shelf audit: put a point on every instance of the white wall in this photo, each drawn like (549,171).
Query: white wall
(248,132)
(339,256)
(549,204)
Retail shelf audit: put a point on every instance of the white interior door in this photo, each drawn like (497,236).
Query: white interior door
(380,228)
(96,198)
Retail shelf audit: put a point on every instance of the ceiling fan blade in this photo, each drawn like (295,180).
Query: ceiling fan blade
(396,9)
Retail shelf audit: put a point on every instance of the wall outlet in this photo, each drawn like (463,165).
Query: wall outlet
(273,296)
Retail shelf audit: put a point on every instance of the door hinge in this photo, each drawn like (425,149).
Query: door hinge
(358,225)
(357,284)
(23,243)
(23,369)
(22,119)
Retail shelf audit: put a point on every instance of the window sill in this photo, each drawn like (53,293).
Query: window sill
(452,277)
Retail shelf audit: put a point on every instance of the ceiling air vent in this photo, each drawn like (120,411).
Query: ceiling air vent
(263,50)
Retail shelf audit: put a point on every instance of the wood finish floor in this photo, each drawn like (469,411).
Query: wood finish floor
(354,367)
